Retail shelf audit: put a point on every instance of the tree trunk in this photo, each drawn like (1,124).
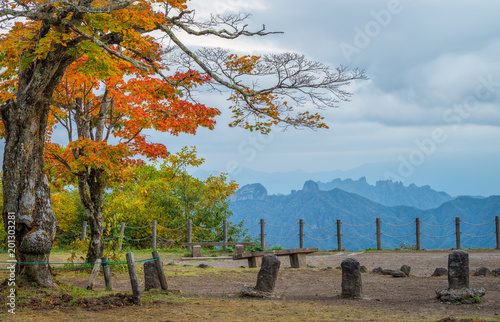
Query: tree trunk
(25,186)
(91,186)
(26,189)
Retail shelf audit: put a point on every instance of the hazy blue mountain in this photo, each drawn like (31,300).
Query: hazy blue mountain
(390,193)
(284,182)
(456,178)
(320,209)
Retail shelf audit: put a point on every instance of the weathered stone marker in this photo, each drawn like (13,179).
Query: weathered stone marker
(458,270)
(458,281)
(351,278)
(268,274)
(151,279)
(266,279)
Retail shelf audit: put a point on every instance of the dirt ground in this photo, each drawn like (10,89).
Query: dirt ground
(308,294)
(415,294)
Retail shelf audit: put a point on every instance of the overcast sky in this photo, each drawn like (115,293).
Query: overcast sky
(430,109)
(429,112)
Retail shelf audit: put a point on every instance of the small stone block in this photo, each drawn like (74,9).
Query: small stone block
(197,251)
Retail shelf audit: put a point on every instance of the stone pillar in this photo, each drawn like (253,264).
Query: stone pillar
(351,278)
(458,281)
(151,279)
(268,274)
(458,270)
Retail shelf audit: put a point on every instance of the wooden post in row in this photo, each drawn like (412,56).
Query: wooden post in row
(263,234)
(224,231)
(161,273)
(497,225)
(379,234)
(417,233)
(153,234)
(122,232)
(189,233)
(93,275)
(457,231)
(84,230)
(107,274)
(339,235)
(301,233)
(134,281)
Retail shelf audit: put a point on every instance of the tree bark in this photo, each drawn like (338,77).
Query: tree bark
(25,185)
(91,186)
(26,188)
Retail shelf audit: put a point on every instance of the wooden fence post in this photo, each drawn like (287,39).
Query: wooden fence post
(159,269)
(457,232)
(122,233)
(339,235)
(301,233)
(134,281)
(379,233)
(107,274)
(262,234)
(153,239)
(84,230)
(417,232)
(189,236)
(93,275)
(497,224)
(224,231)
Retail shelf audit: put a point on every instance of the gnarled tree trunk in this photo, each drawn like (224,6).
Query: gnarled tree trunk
(25,185)
(26,189)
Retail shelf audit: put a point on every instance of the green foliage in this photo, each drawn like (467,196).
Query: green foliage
(166,192)
(70,214)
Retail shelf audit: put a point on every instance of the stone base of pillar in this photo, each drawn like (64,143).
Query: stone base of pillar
(463,295)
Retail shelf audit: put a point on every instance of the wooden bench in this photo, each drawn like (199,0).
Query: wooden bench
(297,256)
(238,246)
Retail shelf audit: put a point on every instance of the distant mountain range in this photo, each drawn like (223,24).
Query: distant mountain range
(390,193)
(321,208)
(458,178)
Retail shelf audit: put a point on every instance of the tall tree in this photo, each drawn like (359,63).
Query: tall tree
(45,37)
(105,123)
